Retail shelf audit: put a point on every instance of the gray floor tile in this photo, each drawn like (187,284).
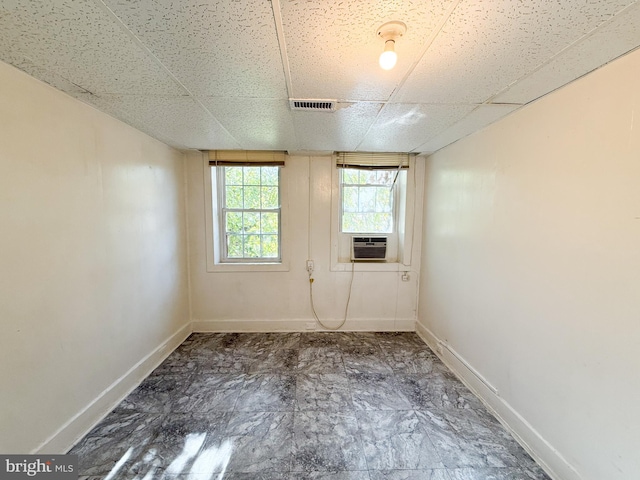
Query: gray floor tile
(436,474)
(213,459)
(376,391)
(412,360)
(465,439)
(428,391)
(263,342)
(348,475)
(116,442)
(257,476)
(508,473)
(262,442)
(320,360)
(326,441)
(191,476)
(272,361)
(358,339)
(400,340)
(225,340)
(120,423)
(323,391)
(197,340)
(282,341)
(157,394)
(252,342)
(396,440)
(319,340)
(533,470)
(211,393)
(268,393)
(365,359)
(176,363)
(223,360)
(178,445)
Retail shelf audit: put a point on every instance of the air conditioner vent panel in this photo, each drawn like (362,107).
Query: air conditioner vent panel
(312,104)
(368,248)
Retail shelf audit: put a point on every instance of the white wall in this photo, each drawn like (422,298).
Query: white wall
(531,270)
(93,277)
(267,301)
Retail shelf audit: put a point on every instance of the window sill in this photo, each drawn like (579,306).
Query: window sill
(370,267)
(248,267)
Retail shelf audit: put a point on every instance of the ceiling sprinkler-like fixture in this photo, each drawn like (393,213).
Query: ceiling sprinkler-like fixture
(390,32)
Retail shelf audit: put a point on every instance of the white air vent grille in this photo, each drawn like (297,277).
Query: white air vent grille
(312,104)
(368,248)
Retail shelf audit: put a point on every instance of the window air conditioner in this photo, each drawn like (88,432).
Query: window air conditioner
(368,248)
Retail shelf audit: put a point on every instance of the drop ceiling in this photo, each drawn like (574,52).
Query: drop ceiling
(205,74)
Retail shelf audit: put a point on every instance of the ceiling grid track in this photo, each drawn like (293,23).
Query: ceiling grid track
(286,67)
(134,37)
(277,17)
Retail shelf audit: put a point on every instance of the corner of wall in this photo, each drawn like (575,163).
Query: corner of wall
(187,222)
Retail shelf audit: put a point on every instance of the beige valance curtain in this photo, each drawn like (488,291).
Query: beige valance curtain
(246,158)
(373,160)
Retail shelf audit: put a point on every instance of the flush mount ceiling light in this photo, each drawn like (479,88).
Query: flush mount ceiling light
(390,32)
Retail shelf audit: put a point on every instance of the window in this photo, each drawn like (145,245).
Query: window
(246,212)
(250,214)
(367,200)
(371,195)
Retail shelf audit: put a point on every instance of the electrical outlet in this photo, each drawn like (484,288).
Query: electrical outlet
(311,325)
(310,266)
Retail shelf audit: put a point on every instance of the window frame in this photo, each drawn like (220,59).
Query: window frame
(212,233)
(404,244)
(394,200)
(223,210)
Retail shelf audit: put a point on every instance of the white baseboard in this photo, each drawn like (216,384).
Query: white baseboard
(86,419)
(300,325)
(552,461)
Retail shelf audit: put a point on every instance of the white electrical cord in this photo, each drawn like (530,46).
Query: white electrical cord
(346,308)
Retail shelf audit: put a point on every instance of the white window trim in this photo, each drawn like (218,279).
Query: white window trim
(409,212)
(212,230)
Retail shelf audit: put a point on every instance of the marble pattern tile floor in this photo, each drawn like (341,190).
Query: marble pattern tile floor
(302,406)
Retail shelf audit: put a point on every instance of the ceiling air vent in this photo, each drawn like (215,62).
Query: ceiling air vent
(312,104)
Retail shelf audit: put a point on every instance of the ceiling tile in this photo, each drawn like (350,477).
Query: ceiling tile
(333,48)
(39,72)
(258,124)
(341,130)
(610,41)
(81,43)
(482,116)
(214,48)
(178,121)
(403,127)
(486,46)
